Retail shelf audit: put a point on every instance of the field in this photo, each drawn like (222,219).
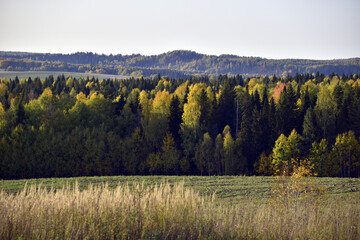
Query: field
(44,74)
(164,207)
(229,189)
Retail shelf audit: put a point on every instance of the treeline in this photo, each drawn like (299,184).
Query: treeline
(62,126)
(175,64)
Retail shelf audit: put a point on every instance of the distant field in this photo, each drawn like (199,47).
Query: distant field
(229,189)
(43,75)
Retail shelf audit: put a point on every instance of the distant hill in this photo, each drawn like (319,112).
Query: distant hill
(178,63)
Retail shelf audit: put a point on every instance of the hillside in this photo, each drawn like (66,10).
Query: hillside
(174,64)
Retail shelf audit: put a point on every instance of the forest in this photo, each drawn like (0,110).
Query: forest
(62,126)
(174,64)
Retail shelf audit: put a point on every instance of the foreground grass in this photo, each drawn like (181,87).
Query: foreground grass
(166,212)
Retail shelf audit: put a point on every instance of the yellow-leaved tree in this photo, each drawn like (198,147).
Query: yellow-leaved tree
(190,127)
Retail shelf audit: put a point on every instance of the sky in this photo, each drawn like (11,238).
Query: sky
(310,29)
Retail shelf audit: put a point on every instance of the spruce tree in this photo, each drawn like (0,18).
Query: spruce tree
(175,118)
(244,137)
(264,122)
(255,100)
(310,131)
(272,123)
(226,106)
(292,117)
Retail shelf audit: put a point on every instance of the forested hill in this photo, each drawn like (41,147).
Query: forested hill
(173,64)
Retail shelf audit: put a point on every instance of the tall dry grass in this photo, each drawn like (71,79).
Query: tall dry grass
(165,212)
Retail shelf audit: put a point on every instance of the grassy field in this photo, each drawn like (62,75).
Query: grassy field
(164,207)
(229,189)
(44,74)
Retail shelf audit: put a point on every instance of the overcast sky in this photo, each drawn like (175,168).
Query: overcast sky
(314,29)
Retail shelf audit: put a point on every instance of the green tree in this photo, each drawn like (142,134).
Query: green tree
(347,150)
(341,121)
(226,107)
(272,123)
(218,155)
(229,153)
(205,156)
(170,155)
(135,146)
(310,132)
(321,159)
(155,163)
(175,118)
(205,108)
(354,116)
(264,122)
(244,138)
(325,111)
(286,114)
(285,149)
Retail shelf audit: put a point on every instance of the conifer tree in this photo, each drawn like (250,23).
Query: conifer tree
(310,132)
(272,123)
(245,130)
(226,107)
(175,118)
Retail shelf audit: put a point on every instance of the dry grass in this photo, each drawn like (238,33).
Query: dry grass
(165,212)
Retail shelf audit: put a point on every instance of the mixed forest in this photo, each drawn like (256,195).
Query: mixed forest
(62,126)
(175,64)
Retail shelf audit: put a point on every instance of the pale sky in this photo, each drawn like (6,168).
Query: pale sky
(312,29)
